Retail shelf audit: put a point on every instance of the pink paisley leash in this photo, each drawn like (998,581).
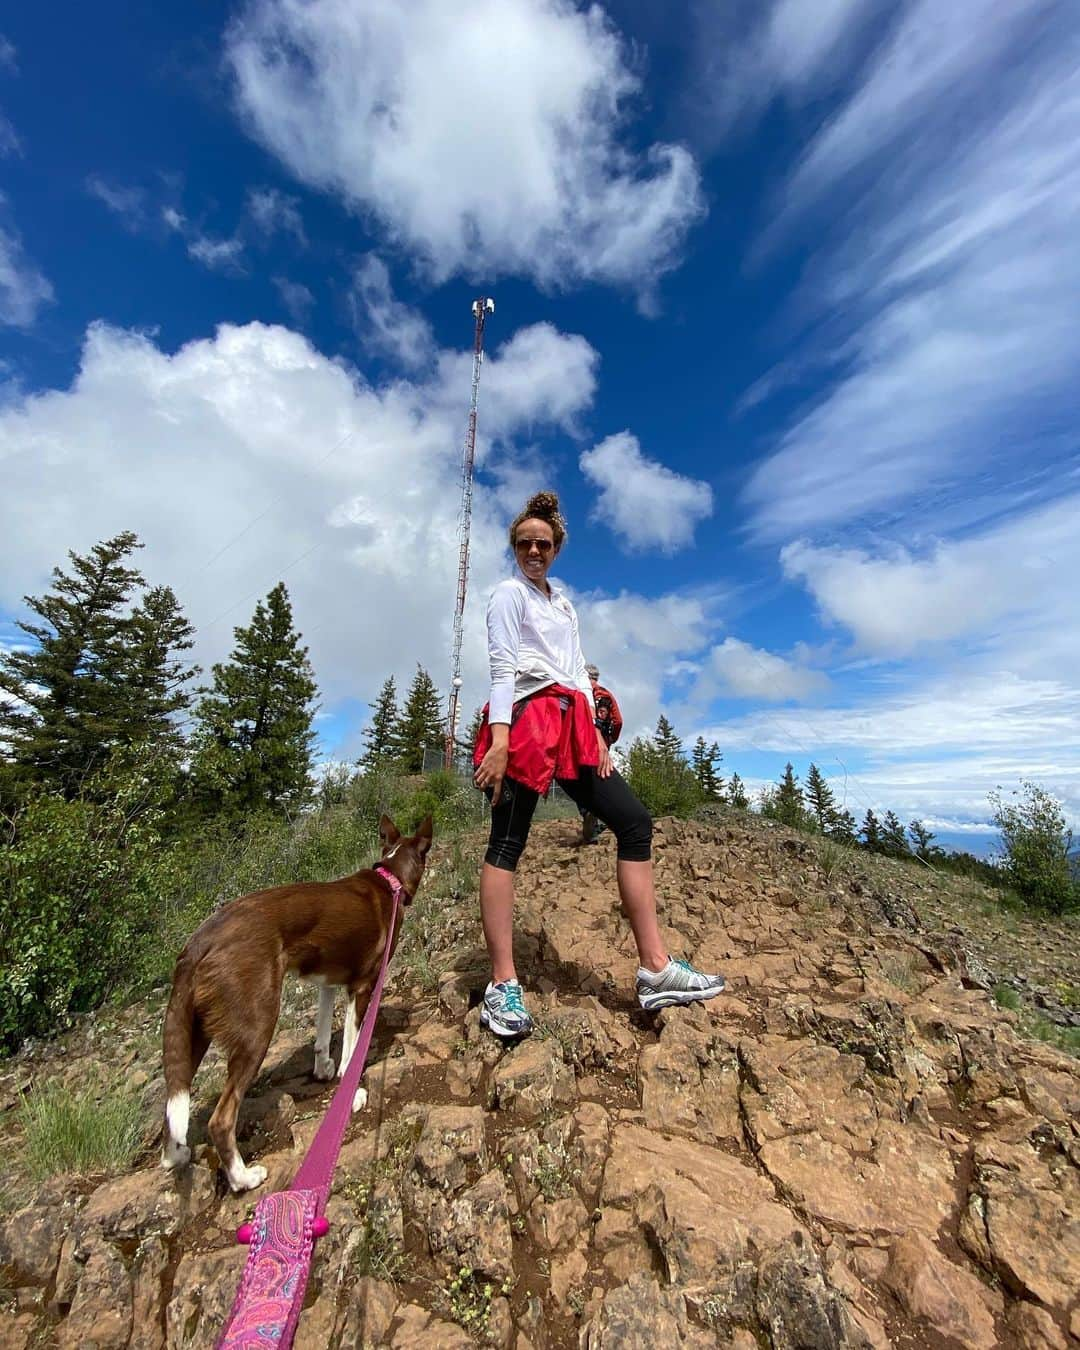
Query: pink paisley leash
(285,1225)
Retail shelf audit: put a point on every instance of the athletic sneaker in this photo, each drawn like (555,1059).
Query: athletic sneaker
(590,828)
(678,982)
(504,1012)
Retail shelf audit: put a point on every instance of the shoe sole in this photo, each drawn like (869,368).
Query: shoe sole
(500,1029)
(671,998)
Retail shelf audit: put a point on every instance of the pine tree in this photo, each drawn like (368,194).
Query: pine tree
(787,804)
(475,727)
(923,840)
(668,745)
(893,839)
(871,831)
(821,804)
(736,793)
(253,745)
(68,708)
(379,735)
(704,759)
(842,827)
(422,723)
(153,676)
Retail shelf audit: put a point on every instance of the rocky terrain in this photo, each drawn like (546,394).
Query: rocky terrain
(852,1147)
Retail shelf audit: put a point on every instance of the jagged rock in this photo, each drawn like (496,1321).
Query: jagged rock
(149,1265)
(202,1296)
(796,1305)
(689,1079)
(873,1029)
(589,1147)
(700,1207)
(1035,1329)
(1022,1221)
(638,1316)
(149,1202)
(954,1302)
(797,1087)
(471,1229)
(557,1223)
(97,1287)
(532,1078)
(451,1143)
(30,1242)
(365,1320)
(591,1038)
(418,1329)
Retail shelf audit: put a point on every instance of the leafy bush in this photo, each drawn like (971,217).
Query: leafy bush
(1035,847)
(80,885)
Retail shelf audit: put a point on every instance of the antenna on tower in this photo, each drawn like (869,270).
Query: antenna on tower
(481,308)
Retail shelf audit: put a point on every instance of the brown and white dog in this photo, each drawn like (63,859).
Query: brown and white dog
(227,984)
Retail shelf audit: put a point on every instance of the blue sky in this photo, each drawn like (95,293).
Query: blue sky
(787,311)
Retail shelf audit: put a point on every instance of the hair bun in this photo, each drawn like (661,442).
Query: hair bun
(542,506)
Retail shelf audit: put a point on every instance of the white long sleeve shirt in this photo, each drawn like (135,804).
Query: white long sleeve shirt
(532,642)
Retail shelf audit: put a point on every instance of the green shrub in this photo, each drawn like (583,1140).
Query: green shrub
(80,888)
(95,1130)
(1005,996)
(665,783)
(1035,846)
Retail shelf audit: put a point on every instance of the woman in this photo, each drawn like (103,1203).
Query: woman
(540,724)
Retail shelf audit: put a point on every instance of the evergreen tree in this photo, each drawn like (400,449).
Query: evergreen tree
(668,745)
(69,702)
(893,838)
(736,793)
(922,839)
(152,674)
(704,759)
(475,726)
(871,831)
(422,723)
(821,804)
(842,827)
(252,748)
(379,736)
(787,804)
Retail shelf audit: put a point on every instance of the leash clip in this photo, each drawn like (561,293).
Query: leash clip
(319,1228)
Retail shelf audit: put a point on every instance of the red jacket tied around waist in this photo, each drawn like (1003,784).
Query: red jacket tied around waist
(545,741)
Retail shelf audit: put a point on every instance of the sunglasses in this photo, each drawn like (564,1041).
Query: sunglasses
(523,545)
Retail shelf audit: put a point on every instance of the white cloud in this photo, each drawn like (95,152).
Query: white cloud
(750,672)
(274,212)
(1012,587)
(645,503)
(296,298)
(951,298)
(249,457)
(24,289)
(744,56)
(386,325)
(129,203)
(9,138)
(219,255)
(486,137)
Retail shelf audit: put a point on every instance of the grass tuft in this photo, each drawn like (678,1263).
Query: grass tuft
(95,1130)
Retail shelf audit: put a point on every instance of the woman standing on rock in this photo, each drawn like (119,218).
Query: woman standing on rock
(540,724)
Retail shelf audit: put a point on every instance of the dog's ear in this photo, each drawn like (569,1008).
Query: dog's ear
(422,837)
(388,832)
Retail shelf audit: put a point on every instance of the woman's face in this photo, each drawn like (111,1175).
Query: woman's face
(534,548)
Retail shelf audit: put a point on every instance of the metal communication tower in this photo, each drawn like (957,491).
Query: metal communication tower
(481,309)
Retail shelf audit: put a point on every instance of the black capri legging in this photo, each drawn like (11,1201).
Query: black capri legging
(608,798)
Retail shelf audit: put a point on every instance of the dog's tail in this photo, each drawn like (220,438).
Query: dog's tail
(179,1068)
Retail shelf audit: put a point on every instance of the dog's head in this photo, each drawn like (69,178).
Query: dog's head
(405,855)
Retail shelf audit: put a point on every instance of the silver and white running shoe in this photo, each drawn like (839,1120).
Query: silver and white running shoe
(677,983)
(504,1012)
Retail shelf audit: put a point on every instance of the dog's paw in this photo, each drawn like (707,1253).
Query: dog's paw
(325,1068)
(359,1100)
(175,1155)
(247,1178)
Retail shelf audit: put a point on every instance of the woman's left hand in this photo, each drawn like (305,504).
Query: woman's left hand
(605,765)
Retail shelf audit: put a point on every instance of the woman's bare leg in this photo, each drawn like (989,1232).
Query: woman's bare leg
(638,896)
(497,914)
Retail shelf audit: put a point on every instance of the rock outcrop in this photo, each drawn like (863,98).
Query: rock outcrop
(851,1147)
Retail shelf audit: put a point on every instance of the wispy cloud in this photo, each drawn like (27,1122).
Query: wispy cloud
(952,293)
(9,138)
(219,255)
(274,212)
(24,288)
(646,504)
(370,103)
(296,297)
(128,203)
(385,325)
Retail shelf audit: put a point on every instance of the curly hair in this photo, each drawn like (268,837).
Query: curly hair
(542,506)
